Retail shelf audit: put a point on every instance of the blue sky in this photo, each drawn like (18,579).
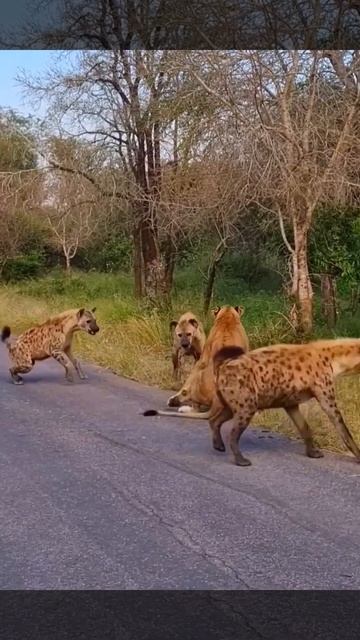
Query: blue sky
(11,94)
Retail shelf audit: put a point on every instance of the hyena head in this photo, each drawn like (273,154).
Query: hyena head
(87,321)
(184,332)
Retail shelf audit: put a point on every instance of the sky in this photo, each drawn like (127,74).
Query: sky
(11,62)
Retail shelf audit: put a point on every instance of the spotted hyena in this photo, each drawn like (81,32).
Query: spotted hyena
(188,340)
(51,339)
(281,376)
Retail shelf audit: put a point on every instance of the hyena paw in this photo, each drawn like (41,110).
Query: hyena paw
(315,453)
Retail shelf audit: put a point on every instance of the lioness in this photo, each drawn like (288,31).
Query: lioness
(188,340)
(52,338)
(199,388)
(282,375)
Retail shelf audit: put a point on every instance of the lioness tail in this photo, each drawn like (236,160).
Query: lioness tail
(197,415)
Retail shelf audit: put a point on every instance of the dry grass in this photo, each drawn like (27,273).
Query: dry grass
(136,343)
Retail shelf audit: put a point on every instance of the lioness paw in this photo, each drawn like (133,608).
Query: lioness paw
(185,409)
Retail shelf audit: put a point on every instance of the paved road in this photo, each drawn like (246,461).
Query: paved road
(94,495)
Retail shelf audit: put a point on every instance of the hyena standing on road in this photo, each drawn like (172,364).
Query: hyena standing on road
(51,339)
(282,376)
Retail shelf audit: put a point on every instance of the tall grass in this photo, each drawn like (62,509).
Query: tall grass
(134,340)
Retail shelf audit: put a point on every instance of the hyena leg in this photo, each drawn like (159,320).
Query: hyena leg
(76,364)
(19,368)
(305,432)
(65,361)
(220,414)
(329,406)
(241,422)
(176,366)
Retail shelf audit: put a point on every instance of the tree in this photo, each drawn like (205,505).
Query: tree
(20,185)
(72,206)
(189,25)
(296,114)
(123,101)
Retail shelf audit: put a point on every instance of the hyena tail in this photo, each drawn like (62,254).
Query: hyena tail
(5,336)
(227,353)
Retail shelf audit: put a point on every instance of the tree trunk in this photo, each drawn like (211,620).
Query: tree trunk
(328,297)
(355,295)
(209,287)
(137,263)
(169,264)
(153,271)
(302,284)
(153,267)
(67,264)
(170,251)
(211,275)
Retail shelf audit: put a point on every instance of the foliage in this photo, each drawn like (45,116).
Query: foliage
(16,151)
(22,267)
(335,244)
(108,254)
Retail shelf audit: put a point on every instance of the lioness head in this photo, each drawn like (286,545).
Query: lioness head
(220,311)
(87,321)
(184,332)
(179,398)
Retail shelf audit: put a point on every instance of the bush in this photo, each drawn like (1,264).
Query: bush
(25,266)
(112,255)
(253,272)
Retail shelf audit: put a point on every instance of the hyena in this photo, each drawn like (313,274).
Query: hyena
(188,340)
(281,376)
(51,339)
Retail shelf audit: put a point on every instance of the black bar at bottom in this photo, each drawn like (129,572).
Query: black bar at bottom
(180,615)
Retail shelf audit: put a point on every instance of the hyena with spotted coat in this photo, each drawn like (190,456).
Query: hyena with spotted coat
(51,339)
(188,340)
(281,376)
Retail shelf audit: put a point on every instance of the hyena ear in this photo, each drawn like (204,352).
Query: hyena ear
(240,310)
(93,310)
(194,322)
(215,311)
(80,313)
(172,325)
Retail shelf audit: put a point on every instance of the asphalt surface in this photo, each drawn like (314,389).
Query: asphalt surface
(96,496)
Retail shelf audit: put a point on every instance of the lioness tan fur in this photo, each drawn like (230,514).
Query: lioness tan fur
(188,340)
(51,339)
(284,376)
(199,388)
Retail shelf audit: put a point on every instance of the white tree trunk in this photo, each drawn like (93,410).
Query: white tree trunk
(302,286)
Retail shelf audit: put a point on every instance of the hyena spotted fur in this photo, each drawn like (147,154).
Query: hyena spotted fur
(282,376)
(51,339)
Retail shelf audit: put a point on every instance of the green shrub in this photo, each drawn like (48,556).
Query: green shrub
(25,266)
(112,255)
(252,272)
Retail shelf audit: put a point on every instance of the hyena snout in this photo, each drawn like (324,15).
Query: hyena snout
(185,343)
(93,329)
